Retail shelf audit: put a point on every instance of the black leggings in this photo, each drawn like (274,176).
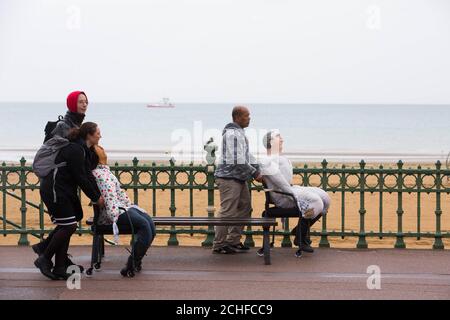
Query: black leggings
(44,243)
(58,244)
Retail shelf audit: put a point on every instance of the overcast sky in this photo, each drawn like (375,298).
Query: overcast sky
(321,51)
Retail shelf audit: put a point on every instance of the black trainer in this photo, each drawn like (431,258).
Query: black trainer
(307,248)
(224,250)
(60,273)
(240,247)
(304,247)
(129,269)
(260,252)
(45,266)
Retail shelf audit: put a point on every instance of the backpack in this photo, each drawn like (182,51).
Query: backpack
(51,125)
(44,160)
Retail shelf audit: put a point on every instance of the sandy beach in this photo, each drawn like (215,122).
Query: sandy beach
(352,217)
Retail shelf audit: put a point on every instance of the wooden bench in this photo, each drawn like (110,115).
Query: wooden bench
(100,230)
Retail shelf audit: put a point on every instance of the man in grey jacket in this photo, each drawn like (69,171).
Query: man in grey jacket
(236,166)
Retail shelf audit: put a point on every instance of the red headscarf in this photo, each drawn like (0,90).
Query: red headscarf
(72,100)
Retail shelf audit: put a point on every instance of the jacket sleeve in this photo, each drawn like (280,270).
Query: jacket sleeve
(237,150)
(272,173)
(90,164)
(77,168)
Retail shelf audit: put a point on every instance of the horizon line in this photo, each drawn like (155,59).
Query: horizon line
(259,102)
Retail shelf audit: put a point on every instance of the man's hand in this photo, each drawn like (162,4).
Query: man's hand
(259,178)
(101,202)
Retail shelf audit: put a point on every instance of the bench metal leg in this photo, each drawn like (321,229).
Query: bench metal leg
(95,249)
(298,253)
(102,246)
(266,245)
(94,254)
(273,238)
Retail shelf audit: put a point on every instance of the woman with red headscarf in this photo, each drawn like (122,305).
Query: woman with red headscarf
(77,103)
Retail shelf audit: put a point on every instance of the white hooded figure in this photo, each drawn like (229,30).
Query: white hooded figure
(277,173)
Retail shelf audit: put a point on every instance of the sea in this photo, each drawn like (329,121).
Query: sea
(311,132)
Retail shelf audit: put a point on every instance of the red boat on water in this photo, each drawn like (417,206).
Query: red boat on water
(164,104)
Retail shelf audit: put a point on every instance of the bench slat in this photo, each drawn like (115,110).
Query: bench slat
(204,221)
(200,221)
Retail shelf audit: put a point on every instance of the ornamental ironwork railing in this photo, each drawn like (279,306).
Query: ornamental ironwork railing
(156,186)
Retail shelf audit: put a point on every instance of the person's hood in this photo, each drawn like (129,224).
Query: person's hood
(72,100)
(231,126)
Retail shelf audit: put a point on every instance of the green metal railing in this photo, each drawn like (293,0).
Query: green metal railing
(18,180)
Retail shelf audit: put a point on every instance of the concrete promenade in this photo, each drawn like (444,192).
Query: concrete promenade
(195,273)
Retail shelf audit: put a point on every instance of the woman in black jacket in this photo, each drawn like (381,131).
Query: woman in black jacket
(61,199)
(77,104)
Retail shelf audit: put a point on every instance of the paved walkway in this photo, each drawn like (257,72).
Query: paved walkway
(195,273)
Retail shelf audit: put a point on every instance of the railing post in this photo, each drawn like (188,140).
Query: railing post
(191,179)
(342,182)
(210,148)
(362,243)
(173,241)
(380,187)
(286,242)
(438,244)
(23,240)
(419,188)
(135,181)
(323,243)
(210,209)
(116,170)
(153,189)
(400,243)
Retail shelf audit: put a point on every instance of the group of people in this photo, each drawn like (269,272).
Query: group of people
(237,165)
(72,158)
